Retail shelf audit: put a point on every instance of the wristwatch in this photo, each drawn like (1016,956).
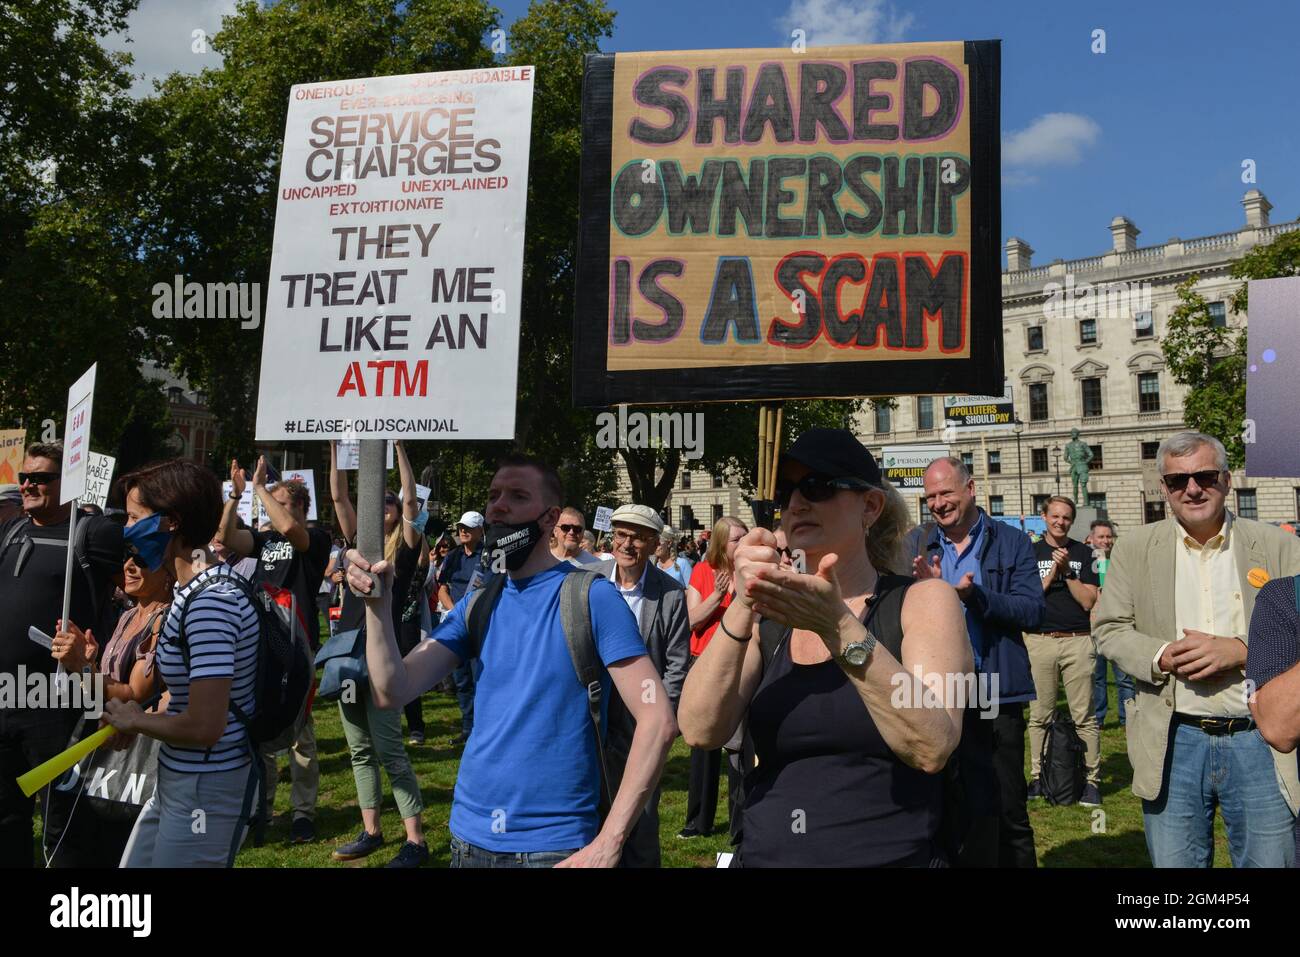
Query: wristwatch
(858,652)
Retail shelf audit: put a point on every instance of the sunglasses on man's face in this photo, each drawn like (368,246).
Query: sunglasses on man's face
(571,529)
(1177,481)
(37,478)
(815,488)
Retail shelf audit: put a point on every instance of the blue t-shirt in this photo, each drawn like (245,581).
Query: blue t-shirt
(529,779)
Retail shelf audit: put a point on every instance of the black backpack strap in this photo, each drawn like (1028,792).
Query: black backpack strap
(19,527)
(478,612)
(575,619)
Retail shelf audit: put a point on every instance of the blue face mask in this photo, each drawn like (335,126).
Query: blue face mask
(146,541)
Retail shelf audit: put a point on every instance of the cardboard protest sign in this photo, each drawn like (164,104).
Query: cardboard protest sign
(397,263)
(99,477)
(76,437)
(13,442)
(766,224)
(980,413)
(905,465)
(349,455)
(1272,429)
(602,522)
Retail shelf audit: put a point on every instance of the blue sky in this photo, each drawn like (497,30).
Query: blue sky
(1156,128)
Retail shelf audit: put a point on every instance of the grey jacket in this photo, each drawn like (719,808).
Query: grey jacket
(665,626)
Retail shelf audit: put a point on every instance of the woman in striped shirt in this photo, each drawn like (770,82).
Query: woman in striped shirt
(204,767)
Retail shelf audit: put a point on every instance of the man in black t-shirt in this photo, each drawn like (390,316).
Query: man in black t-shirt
(290,556)
(1064,650)
(37,552)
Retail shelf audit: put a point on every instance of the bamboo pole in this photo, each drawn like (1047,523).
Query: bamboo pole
(762,449)
(776,451)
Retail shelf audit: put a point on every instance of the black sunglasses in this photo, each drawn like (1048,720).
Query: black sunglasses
(1177,481)
(38,478)
(571,529)
(816,488)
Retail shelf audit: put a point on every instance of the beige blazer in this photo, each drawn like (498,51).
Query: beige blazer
(1136,616)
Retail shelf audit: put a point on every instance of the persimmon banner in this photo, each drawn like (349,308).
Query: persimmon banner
(766,224)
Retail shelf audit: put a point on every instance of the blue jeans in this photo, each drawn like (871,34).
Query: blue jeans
(464,678)
(1123,686)
(1233,772)
(464,854)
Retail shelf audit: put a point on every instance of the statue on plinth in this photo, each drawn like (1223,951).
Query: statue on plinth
(1078,455)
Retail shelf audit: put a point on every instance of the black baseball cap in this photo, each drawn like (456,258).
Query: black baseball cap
(835,453)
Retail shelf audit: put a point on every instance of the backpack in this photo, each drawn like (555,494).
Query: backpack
(284,664)
(575,621)
(887,614)
(1062,774)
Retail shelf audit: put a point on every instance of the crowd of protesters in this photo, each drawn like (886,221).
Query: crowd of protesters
(816,657)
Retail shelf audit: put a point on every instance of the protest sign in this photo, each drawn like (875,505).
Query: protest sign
(421,496)
(602,523)
(397,262)
(1272,430)
(767,224)
(99,477)
(245,507)
(76,437)
(980,413)
(12,444)
(349,455)
(905,465)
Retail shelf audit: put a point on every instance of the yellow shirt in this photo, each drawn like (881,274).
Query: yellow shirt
(1207,597)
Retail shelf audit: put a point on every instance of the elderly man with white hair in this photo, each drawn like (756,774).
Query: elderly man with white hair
(659,604)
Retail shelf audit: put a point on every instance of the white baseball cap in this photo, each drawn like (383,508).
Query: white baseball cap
(642,515)
(471,520)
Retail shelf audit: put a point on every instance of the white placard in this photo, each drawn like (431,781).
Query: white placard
(76,437)
(99,478)
(397,262)
(245,506)
(601,522)
(349,455)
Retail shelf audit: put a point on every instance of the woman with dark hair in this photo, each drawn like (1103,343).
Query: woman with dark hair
(205,760)
(844,687)
(708,594)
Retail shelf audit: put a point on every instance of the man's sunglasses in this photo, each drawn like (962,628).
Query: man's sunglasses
(1177,481)
(816,488)
(571,529)
(37,478)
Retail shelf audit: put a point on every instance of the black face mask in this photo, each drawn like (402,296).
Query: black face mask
(514,542)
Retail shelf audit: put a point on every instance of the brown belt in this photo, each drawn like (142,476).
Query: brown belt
(1064,634)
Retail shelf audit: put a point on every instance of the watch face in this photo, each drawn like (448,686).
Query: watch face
(856,653)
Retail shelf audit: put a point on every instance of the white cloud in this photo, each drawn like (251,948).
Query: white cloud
(1054,139)
(162,39)
(836,22)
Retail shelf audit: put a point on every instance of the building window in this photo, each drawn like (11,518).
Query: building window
(968,460)
(717,480)
(686,479)
(995,505)
(1148,391)
(1154,512)
(1097,463)
(1097,500)
(1246,505)
(1040,503)
(717,512)
(688,518)
(995,464)
(1149,450)
(882,420)
(174,393)
(1034,338)
(924,412)
(924,509)
(1218,314)
(1038,460)
(1087,332)
(1091,397)
(1144,326)
(1038,411)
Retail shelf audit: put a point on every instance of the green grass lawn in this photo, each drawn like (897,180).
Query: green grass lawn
(1065,836)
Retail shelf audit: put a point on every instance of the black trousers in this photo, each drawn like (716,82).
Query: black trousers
(702,790)
(27,738)
(1015,835)
(995,831)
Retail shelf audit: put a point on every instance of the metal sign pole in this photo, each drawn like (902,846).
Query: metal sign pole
(371,485)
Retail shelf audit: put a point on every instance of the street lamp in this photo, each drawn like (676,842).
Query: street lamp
(1056,459)
(1018,427)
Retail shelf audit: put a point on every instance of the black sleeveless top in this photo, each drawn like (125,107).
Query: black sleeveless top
(828,791)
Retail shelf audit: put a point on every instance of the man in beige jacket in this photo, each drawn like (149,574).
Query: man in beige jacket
(1175,614)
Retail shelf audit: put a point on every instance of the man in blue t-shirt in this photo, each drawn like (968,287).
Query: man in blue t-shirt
(527,793)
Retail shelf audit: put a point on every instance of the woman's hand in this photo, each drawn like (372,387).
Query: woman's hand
(74,648)
(807,602)
(360,582)
(721,582)
(756,550)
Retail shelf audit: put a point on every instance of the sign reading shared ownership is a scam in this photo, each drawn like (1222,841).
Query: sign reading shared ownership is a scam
(398,258)
(764,224)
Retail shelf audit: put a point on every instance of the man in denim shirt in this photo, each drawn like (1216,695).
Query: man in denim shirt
(992,567)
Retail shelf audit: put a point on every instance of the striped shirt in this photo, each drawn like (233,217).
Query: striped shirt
(223,636)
